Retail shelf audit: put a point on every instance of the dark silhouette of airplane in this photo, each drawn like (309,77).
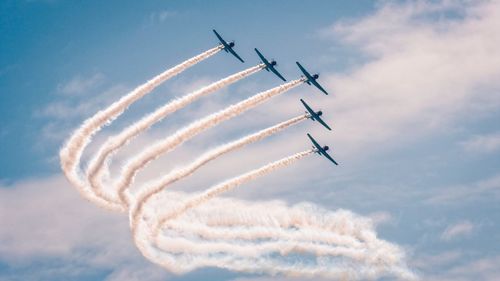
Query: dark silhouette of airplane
(315,116)
(321,150)
(270,66)
(311,79)
(228,47)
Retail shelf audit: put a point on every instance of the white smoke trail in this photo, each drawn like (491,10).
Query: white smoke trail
(228,185)
(231,234)
(70,154)
(356,249)
(361,250)
(98,166)
(185,245)
(140,161)
(150,190)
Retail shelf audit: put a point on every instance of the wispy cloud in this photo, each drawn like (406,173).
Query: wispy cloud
(162,16)
(428,262)
(479,269)
(484,189)
(62,115)
(80,107)
(460,229)
(483,143)
(421,73)
(47,219)
(381,217)
(80,85)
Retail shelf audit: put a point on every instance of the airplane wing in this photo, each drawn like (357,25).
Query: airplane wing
(313,114)
(318,86)
(315,143)
(308,76)
(329,157)
(323,123)
(235,54)
(310,80)
(264,60)
(220,38)
(277,73)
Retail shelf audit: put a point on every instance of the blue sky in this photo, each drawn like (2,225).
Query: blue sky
(40,42)
(414,107)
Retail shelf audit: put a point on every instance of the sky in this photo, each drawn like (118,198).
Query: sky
(414,108)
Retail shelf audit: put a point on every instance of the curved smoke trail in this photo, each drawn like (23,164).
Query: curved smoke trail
(153,188)
(190,231)
(234,234)
(154,151)
(340,239)
(98,166)
(228,185)
(71,152)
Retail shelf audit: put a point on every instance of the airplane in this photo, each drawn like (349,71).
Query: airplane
(315,116)
(228,47)
(270,66)
(311,79)
(321,150)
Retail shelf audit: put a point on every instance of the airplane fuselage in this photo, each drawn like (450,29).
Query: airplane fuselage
(323,149)
(314,116)
(269,65)
(227,46)
(312,78)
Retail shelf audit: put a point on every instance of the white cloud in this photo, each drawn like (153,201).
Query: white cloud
(429,262)
(277,278)
(484,189)
(460,229)
(63,115)
(161,16)
(47,219)
(79,85)
(483,143)
(381,217)
(421,74)
(450,265)
(479,269)
(71,108)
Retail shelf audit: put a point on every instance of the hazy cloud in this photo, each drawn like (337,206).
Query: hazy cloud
(381,217)
(161,16)
(479,269)
(484,189)
(420,73)
(483,143)
(460,229)
(79,85)
(47,219)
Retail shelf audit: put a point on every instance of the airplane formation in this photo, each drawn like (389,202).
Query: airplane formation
(179,231)
(309,79)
